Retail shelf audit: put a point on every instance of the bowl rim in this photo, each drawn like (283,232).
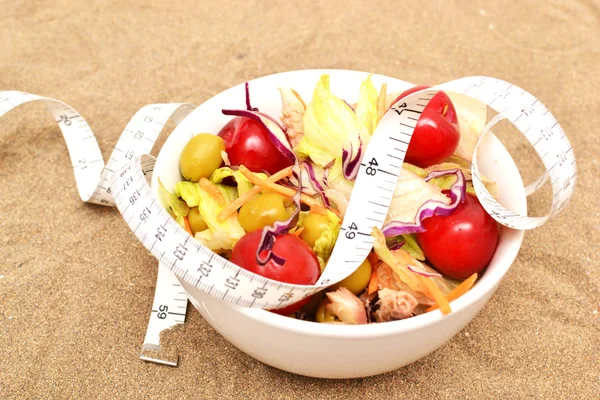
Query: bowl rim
(485,286)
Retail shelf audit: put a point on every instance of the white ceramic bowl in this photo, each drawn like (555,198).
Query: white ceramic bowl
(335,351)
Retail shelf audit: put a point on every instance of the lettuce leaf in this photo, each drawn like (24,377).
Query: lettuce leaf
(444,182)
(472,117)
(220,235)
(243,184)
(405,279)
(188,191)
(329,123)
(230,193)
(410,194)
(412,246)
(217,241)
(366,107)
(420,172)
(176,207)
(336,180)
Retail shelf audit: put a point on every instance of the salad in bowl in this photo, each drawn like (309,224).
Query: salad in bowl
(262,175)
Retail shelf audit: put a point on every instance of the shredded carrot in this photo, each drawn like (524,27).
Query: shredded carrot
(437,294)
(374,282)
(187,226)
(213,191)
(458,291)
(237,203)
(463,288)
(322,210)
(249,195)
(318,209)
(298,231)
(282,190)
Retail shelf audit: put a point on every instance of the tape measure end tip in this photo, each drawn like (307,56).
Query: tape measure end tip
(159,361)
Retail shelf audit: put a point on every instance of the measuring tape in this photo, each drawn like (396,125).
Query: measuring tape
(130,168)
(93,178)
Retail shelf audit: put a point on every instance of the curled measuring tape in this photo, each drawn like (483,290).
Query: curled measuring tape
(368,204)
(178,252)
(93,183)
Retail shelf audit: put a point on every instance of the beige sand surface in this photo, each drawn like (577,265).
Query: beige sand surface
(76,287)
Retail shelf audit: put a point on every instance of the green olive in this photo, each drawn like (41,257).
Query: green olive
(357,281)
(264,210)
(322,315)
(196,221)
(314,225)
(201,156)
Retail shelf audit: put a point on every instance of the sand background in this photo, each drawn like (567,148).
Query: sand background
(76,287)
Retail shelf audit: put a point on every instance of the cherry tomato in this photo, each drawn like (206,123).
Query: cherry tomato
(462,243)
(301,264)
(247,142)
(436,134)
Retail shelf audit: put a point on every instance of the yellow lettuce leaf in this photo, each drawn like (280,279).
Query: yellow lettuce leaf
(243,184)
(366,107)
(220,235)
(177,208)
(329,124)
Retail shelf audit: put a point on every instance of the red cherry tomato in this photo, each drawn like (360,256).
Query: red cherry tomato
(436,134)
(247,142)
(301,264)
(461,243)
